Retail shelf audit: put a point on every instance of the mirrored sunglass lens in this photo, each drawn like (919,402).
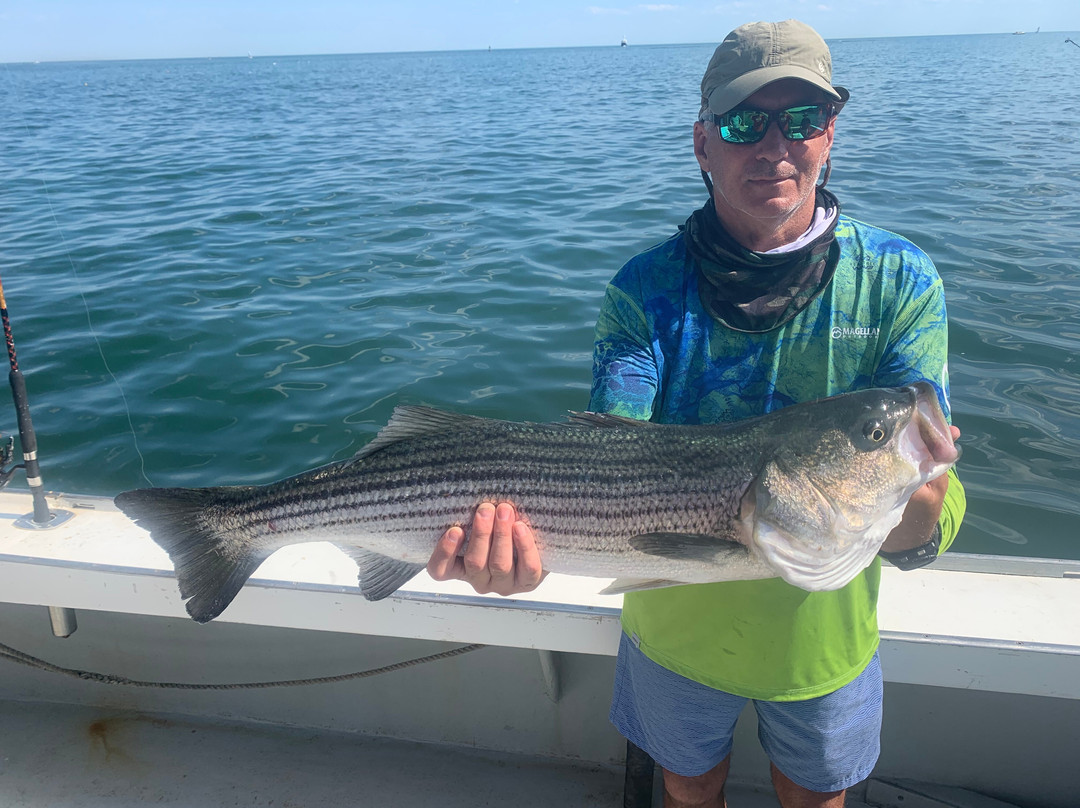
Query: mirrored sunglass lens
(803,123)
(744,126)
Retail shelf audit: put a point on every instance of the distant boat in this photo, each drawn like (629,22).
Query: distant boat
(624,43)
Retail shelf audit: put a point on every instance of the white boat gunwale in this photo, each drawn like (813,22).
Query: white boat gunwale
(1013,633)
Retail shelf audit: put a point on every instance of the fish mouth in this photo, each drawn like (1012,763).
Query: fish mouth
(930,442)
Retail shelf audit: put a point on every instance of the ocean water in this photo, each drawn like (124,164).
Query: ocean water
(231,270)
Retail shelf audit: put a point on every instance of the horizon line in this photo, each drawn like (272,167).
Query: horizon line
(249,55)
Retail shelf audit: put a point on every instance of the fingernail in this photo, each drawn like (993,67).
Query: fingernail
(486,508)
(505,512)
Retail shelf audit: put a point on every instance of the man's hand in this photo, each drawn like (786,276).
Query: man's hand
(501,555)
(922,513)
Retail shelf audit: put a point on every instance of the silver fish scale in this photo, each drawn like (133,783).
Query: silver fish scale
(585,490)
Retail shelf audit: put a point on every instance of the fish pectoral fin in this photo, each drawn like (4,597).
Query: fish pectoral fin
(381,576)
(622,585)
(686,546)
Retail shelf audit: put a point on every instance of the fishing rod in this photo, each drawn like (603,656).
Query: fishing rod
(62,618)
(41,517)
(1069,40)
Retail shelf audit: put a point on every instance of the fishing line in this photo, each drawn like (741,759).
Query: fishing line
(79,287)
(97,340)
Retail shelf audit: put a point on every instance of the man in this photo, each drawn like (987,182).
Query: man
(766,297)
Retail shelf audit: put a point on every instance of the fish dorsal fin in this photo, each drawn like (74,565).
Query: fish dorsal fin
(410,421)
(605,419)
(687,546)
(621,586)
(381,576)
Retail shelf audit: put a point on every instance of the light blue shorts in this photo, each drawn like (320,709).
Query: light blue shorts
(827,743)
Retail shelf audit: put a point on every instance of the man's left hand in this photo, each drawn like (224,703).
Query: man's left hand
(922,513)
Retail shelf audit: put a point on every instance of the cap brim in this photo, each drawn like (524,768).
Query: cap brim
(727,97)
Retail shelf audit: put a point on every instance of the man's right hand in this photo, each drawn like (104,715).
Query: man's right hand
(501,555)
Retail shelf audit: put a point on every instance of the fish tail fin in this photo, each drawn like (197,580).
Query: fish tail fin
(212,560)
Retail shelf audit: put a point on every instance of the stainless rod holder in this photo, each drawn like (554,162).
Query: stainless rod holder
(63,621)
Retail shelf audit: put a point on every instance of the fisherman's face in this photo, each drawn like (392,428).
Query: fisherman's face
(764,191)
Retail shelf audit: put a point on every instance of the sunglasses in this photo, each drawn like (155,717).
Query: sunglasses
(804,122)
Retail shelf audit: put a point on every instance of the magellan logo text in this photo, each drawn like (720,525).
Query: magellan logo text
(865,333)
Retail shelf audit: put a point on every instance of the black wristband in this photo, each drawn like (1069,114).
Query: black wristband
(917,556)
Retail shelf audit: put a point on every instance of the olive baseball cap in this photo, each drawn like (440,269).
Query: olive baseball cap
(760,53)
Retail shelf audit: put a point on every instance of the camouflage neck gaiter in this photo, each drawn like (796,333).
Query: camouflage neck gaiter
(751,291)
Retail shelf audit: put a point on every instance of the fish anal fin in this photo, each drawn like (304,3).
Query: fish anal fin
(623,585)
(381,576)
(686,546)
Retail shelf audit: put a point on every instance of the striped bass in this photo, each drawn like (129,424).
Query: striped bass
(807,493)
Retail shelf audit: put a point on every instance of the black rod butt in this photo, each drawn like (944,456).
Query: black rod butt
(638,784)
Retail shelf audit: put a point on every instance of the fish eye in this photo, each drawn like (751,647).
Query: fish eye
(875,431)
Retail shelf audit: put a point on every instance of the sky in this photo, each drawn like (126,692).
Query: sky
(61,30)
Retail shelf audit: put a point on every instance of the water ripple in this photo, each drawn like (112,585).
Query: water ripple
(275,252)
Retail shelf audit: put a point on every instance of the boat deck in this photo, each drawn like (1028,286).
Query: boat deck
(65,756)
(114,759)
